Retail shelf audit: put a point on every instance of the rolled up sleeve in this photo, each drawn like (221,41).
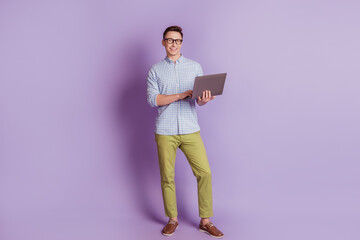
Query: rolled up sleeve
(152,88)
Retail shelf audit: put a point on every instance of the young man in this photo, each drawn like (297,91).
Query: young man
(169,85)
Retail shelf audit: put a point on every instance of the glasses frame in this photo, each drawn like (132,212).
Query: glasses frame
(172,40)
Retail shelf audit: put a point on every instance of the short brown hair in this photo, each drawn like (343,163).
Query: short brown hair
(174,29)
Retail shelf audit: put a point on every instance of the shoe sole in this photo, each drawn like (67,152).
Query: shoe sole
(169,234)
(209,233)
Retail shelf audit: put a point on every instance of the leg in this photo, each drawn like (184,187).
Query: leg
(194,150)
(167,147)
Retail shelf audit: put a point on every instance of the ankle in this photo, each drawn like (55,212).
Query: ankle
(174,219)
(205,221)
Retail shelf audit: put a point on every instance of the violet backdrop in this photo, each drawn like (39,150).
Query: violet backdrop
(77,152)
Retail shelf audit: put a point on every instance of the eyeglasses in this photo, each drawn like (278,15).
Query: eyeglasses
(171,40)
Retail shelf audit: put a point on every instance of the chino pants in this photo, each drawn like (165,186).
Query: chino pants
(193,148)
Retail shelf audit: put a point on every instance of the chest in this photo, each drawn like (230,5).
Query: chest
(177,78)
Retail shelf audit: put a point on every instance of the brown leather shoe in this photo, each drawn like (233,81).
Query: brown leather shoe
(210,229)
(169,228)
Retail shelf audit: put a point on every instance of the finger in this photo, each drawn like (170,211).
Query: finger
(203,95)
(210,94)
(199,99)
(207,93)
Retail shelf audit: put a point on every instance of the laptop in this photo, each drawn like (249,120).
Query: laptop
(214,83)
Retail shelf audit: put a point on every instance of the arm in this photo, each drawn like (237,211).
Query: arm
(152,88)
(155,99)
(167,99)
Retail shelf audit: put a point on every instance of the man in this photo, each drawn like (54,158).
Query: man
(169,85)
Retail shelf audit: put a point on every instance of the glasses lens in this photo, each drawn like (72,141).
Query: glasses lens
(178,41)
(170,40)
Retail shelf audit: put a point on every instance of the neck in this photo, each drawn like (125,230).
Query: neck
(174,58)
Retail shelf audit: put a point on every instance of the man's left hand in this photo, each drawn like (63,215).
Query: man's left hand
(206,97)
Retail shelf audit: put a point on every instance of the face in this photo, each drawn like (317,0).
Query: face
(172,49)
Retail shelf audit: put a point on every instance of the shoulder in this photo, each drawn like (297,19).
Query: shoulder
(194,66)
(158,66)
(192,62)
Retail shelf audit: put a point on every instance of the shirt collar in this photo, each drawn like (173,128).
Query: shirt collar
(179,60)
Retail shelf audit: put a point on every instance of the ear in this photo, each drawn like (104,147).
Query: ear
(163,42)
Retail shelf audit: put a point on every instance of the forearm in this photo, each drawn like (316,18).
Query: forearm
(166,99)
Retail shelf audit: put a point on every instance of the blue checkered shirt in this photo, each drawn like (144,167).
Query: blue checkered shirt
(167,77)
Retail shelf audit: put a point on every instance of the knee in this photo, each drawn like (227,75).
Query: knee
(203,174)
(167,180)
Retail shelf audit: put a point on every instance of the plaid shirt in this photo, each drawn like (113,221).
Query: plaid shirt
(167,77)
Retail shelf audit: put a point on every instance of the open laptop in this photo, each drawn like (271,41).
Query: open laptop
(214,83)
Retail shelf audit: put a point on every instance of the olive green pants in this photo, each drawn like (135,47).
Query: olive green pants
(193,148)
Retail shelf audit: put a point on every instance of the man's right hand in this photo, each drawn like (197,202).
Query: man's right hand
(186,94)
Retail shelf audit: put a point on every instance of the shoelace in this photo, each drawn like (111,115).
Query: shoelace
(172,222)
(210,225)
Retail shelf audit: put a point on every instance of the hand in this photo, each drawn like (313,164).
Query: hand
(186,94)
(206,97)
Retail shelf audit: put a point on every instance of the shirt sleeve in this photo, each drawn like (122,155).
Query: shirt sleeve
(152,88)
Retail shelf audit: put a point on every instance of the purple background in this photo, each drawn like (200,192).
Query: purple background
(77,150)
